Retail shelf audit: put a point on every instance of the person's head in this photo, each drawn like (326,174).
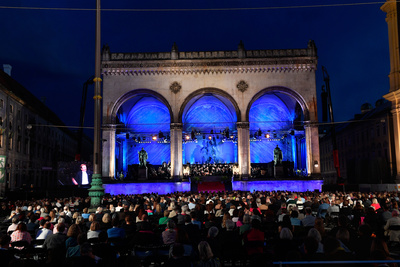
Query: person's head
(286,234)
(171,224)
(166,213)
(213,232)
(106,218)
(21,227)
(47,225)
(61,227)
(83,167)
(79,220)
(205,252)
(95,226)
(73,231)
(230,225)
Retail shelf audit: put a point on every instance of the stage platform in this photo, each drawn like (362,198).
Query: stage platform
(168,186)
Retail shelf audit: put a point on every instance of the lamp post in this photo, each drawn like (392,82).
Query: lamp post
(97,191)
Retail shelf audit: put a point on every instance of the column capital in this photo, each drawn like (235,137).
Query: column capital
(243,125)
(176,126)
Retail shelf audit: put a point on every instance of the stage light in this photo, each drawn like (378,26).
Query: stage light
(232,136)
(267,136)
(210,137)
(187,137)
(154,137)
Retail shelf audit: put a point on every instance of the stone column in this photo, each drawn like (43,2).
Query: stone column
(243,129)
(176,150)
(109,151)
(394,97)
(392,19)
(312,145)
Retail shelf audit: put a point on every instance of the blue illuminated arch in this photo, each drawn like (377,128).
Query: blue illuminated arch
(134,94)
(208,112)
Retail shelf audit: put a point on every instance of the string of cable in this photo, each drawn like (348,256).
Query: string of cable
(131,126)
(190,9)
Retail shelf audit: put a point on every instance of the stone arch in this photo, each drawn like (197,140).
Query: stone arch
(191,98)
(137,92)
(282,90)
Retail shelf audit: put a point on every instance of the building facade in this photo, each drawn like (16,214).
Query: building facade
(365,148)
(30,139)
(215,106)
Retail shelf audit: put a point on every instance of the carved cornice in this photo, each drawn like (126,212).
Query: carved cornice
(138,69)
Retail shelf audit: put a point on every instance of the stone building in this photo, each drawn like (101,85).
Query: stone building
(210,106)
(365,148)
(29,139)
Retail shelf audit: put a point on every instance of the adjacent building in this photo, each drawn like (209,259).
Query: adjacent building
(31,141)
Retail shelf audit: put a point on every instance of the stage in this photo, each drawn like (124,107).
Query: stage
(167,187)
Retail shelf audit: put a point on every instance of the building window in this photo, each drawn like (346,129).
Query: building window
(11,109)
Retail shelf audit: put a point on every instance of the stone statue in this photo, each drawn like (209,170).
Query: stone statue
(277,156)
(142,158)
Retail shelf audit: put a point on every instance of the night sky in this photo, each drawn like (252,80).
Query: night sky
(52,51)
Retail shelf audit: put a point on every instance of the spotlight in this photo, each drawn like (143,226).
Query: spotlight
(232,136)
(187,137)
(154,137)
(210,137)
(267,136)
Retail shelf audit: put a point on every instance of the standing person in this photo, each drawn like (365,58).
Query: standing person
(83,177)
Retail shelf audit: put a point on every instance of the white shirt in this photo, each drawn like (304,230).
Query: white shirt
(85,179)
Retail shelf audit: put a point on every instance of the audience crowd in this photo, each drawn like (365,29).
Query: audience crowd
(201,229)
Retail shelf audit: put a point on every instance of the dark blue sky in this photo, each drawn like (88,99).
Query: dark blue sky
(52,51)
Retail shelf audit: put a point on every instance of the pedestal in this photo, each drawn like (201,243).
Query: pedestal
(142,174)
(278,171)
